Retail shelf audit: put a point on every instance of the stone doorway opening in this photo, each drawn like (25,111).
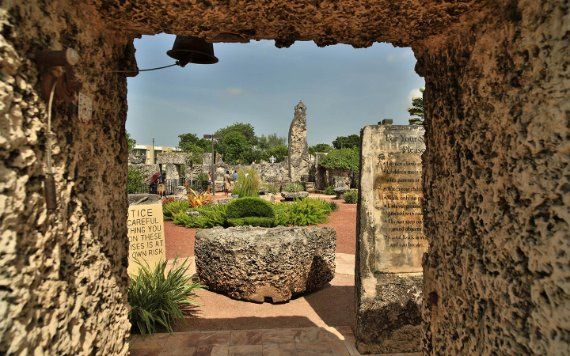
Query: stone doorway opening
(332,308)
(495,161)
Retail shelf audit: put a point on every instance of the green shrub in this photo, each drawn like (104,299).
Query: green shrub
(207,216)
(249,206)
(159,298)
(351,196)
(293,187)
(309,211)
(344,159)
(329,190)
(252,221)
(169,209)
(247,184)
(135,181)
(272,188)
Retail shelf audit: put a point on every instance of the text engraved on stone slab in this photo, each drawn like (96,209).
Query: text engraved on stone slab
(399,237)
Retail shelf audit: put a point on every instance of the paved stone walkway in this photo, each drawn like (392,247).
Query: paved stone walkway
(267,342)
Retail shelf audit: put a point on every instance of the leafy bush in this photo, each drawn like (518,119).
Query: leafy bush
(252,221)
(159,298)
(247,184)
(135,181)
(204,217)
(248,207)
(329,190)
(169,209)
(346,159)
(309,211)
(350,196)
(293,187)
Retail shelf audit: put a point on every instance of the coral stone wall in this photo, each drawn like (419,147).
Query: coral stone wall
(496,165)
(496,183)
(62,274)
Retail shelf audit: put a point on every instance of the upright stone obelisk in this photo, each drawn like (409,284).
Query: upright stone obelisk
(298,149)
(390,240)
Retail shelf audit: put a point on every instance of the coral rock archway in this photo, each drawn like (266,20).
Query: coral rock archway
(496,105)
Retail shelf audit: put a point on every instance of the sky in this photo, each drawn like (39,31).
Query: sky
(343,88)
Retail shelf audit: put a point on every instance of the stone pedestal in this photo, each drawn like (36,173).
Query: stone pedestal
(390,241)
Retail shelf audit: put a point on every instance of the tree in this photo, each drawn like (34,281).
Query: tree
(135,181)
(417,109)
(320,147)
(130,142)
(346,159)
(246,130)
(270,141)
(350,141)
(235,148)
(194,146)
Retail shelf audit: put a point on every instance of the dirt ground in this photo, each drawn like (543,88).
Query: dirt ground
(180,240)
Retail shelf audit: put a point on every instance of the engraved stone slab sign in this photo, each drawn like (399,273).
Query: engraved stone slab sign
(390,240)
(400,242)
(145,226)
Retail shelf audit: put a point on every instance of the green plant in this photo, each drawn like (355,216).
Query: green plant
(329,190)
(203,217)
(248,207)
(293,187)
(350,196)
(346,159)
(252,221)
(309,211)
(169,209)
(135,181)
(159,298)
(247,184)
(272,188)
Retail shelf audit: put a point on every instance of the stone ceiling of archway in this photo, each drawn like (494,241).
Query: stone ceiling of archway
(356,22)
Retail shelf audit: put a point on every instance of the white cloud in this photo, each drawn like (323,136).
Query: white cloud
(234,91)
(414,93)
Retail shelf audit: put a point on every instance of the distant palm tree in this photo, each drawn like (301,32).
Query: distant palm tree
(417,109)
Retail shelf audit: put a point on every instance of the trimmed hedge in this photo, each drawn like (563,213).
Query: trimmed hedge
(252,221)
(248,207)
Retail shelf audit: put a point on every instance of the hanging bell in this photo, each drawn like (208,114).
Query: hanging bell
(189,49)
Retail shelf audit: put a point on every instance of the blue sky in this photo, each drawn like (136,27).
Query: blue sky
(343,88)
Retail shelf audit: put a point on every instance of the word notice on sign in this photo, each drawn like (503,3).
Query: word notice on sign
(146,236)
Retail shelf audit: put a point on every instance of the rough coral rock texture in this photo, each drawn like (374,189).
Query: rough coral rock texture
(359,23)
(256,264)
(63,278)
(496,183)
(390,323)
(299,160)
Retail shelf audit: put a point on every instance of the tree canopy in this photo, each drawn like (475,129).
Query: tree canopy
(130,141)
(417,109)
(194,146)
(320,147)
(350,141)
(342,159)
